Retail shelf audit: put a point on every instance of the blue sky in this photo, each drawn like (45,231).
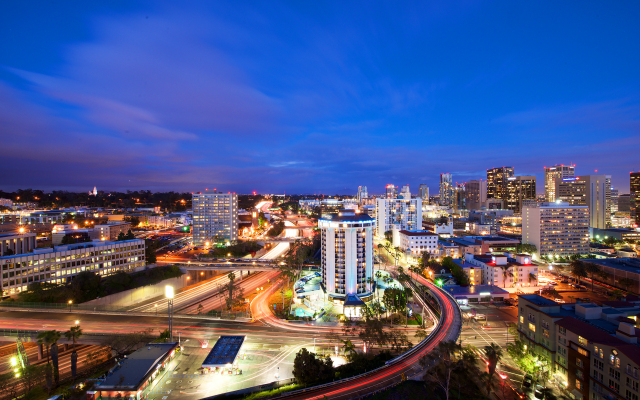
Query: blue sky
(314,97)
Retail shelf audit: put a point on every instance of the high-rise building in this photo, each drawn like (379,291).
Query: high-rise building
(362,193)
(624,202)
(423,193)
(614,200)
(446,189)
(550,176)
(497,182)
(521,190)
(607,193)
(634,200)
(459,197)
(556,229)
(215,217)
(400,214)
(347,254)
(391,191)
(586,190)
(405,193)
(476,194)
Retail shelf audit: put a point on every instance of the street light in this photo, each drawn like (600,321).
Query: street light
(70,305)
(168,292)
(77,322)
(156,310)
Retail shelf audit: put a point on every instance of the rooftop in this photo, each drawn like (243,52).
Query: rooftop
(538,300)
(224,352)
(624,264)
(417,233)
(133,369)
(347,216)
(475,289)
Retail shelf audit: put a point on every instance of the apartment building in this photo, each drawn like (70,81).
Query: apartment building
(556,228)
(399,214)
(423,193)
(587,190)
(551,174)
(634,197)
(110,231)
(446,189)
(60,264)
(415,243)
(391,191)
(215,217)
(506,269)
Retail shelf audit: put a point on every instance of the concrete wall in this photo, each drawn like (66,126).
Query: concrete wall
(133,296)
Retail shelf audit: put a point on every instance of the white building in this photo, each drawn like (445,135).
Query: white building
(505,270)
(416,242)
(400,214)
(362,193)
(17,243)
(6,203)
(60,264)
(405,193)
(592,191)
(423,193)
(215,217)
(556,228)
(347,254)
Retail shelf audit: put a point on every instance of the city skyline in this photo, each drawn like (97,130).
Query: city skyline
(305,98)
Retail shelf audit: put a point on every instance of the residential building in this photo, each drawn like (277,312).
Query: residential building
(551,174)
(556,228)
(110,231)
(448,249)
(497,182)
(215,217)
(362,194)
(347,254)
(459,197)
(492,243)
(634,197)
(519,190)
(6,203)
(423,193)
(505,269)
(391,191)
(590,191)
(414,243)
(405,193)
(614,200)
(476,194)
(476,293)
(608,199)
(489,217)
(439,227)
(17,243)
(400,214)
(61,263)
(446,189)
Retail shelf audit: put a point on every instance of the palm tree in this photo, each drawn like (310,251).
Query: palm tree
(55,336)
(505,273)
(349,349)
(74,334)
(626,282)
(591,269)
(578,270)
(407,293)
(532,277)
(494,354)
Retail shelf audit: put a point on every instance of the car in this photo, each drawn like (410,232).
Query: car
(527,381)
(553,283)
(538,394)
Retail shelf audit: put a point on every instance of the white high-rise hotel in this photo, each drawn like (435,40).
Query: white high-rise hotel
(400,214)
(215,216)
(347,254)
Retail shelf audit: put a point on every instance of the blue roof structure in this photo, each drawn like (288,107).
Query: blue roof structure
(224,352)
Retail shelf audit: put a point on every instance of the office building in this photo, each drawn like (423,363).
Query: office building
(556,229)
(6,203)
(608,201)
(624,203)
(634,197)
(586,190)
(347,254)
(521,190)
(459,197)
(17,243)
(497,182)
(551,174)
(400,214)
(423,193)
(476,194)
(110,231)
(215,217)
(446,189)
(68,234)
(623,234)
(61,263)
(614,200)
(405,193)
(391,191)
(362,193)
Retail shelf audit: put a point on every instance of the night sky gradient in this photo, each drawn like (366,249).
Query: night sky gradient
(314,97)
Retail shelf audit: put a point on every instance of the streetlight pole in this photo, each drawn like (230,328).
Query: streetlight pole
(169,296)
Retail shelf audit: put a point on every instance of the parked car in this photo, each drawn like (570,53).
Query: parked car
(538,392)
(527,381)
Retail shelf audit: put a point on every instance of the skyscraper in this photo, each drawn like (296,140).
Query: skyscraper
(215,217)
(405,193)
(400,214)
(521,190)
(497,182)
(550,176)
(423,193)
(476,194)
(634,202)
(391,191)
(446,189)
(586,190)
(607,193)
(556,229)
(347,254)
(362,193)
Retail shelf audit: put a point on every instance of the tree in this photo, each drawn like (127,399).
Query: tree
(421,334)
(505,273)
(73,334)
(441,363)
(200,308)
(551,292)
(527,248)
(32,376)
(125,343)
(591,269)
(150,251)
(388,235)
(135,221)
(494,354)
(578,270)
(129,235)
(349,349)
(235,294)
(307,369)
(616,294)
(121,237)
(627,282)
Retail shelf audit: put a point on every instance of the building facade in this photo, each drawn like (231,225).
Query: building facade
(400,214)
(17,243)
(590,191)
(362,194)
(110,231)
(521,190)
(215,217)
(634,197)
(551,174)
(446,189)
(476,194)
(59,265)
(391,191)
(557,228)
(415,243)
(497,182)
(423,193)
(347,253)
(505,270)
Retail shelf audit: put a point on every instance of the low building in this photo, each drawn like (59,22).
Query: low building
(601,248)
(627,252)
(439,228)
(71,232)
(110,231)
(477,293)
(448,249)
(473,272)
(17,243)
(224,353)
(132,377)
(494,243)
(6,203)
(623,273)
(414,243)
(61,264)
(623,234)
(477,228)
(506,269)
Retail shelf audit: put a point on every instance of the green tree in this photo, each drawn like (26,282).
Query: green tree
(527,248)
(129,235)
(591,269)
(494,354)
(578,270)
(121,237)
(74,334)
(505,273)
(627,283)
(307,369)
(441,364)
